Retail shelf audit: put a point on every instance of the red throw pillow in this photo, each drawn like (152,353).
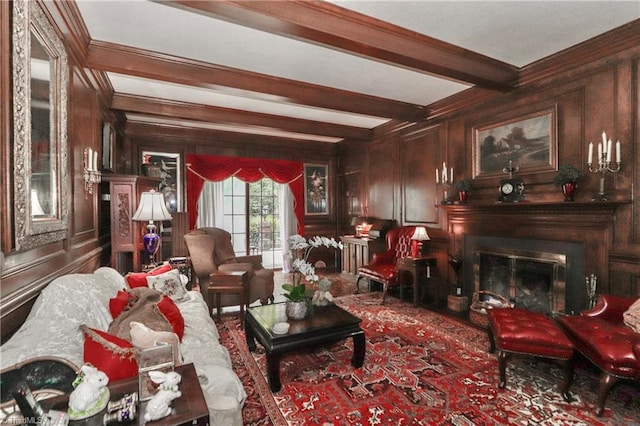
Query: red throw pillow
(170,311)
(139,279)
(118,303)
(114,356)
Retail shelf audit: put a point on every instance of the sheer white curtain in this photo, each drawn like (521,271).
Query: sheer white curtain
(288,222)
(211,205)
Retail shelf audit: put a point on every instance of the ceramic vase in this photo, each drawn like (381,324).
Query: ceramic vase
(297,310)
(462,195)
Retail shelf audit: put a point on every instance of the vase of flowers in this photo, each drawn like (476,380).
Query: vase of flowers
(303,273)
(463,187)
(568,178)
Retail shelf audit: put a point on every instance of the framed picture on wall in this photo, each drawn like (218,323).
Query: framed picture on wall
(167,167)
(315,189)
(108,146)
(528,141)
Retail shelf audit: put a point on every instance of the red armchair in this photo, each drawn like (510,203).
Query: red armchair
(383,266)
(602,337)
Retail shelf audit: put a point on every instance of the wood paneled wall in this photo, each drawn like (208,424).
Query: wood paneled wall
(599,91)
(25,273)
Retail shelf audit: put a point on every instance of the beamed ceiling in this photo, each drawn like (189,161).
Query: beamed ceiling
(322,71)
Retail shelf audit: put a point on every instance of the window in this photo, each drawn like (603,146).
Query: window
(252,216)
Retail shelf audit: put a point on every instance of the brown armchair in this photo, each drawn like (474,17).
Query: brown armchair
(212,256)
(383,266)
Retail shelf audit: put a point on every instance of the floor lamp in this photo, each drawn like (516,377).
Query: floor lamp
(152,207)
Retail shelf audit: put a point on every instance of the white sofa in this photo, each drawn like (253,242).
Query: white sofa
(52,329)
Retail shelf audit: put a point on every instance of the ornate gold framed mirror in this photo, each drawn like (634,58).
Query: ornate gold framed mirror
(41,177)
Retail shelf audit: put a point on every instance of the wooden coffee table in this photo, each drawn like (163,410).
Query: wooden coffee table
(327,324)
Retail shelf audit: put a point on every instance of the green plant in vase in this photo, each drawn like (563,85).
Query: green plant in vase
(568,177)
(463,186)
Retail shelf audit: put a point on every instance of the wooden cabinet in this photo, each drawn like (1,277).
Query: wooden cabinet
(123,197)
(357,252)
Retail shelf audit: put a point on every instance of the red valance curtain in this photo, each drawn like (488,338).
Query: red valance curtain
(215,168)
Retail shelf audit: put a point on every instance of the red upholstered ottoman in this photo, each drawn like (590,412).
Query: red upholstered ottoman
(518,331)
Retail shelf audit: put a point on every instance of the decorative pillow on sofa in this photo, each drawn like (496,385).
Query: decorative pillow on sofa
(170,284)
(114,356)
(139,279)
(143,337)
(631,316)
(118,303)
(172,314)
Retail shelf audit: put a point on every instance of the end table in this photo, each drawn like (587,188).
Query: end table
(420,269)
(235,282)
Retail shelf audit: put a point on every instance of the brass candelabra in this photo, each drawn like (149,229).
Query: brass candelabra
(603,167)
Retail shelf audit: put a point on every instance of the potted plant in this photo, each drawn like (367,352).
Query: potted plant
(463,187)
(298,296)
(568,177)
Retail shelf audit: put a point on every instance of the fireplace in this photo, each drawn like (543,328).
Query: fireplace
(538,275)
(531,280)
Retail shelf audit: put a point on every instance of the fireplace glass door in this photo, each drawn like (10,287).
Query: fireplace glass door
(531,280)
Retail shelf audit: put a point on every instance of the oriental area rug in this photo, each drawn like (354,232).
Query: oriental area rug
(421,368)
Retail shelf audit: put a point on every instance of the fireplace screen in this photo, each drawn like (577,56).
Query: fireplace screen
(531,280)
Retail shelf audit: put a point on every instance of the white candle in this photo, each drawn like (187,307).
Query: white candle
(95,160)
(452,174)
(444,172)
(590,155)
(609,151)
(89,158)
(618,158)
(437,176)
(599,151)
(604,138)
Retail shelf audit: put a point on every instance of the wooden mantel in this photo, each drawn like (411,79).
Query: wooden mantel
(588,223)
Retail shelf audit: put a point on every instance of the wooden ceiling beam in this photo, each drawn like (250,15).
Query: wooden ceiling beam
(219,115)
(126,60)
(345,30)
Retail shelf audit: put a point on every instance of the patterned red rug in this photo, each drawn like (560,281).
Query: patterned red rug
(421,368)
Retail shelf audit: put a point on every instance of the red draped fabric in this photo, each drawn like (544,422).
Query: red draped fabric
(214,168)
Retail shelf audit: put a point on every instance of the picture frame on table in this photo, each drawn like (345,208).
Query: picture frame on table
(156,358)
(108,146)
(529,141)
(168,167)
(316,184)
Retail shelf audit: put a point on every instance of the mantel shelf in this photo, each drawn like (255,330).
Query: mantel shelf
(560,208)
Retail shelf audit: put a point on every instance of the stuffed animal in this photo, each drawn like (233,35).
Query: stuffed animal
(322,297)
(159,406)
(87,393)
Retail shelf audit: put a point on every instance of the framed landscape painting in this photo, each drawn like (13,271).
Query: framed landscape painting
(315,189)
(529,142)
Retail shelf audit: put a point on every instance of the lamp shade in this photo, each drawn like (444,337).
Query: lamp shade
(152,207)
(420,234)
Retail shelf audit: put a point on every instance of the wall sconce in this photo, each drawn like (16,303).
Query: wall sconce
(91,174)
(419,235)
(152,207)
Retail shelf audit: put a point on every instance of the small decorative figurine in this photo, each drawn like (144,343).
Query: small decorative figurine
(159,406)
(322,297)
(90,394)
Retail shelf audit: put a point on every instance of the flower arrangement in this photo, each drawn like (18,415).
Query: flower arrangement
(300,248)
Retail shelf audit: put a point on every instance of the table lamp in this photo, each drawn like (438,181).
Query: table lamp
(152,207)
(419,235)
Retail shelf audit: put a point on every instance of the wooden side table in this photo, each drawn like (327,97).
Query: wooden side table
(420,269)
(190,409)
(234,282)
